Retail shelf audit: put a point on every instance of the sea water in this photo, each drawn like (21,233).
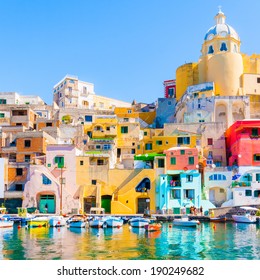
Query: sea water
(209,241)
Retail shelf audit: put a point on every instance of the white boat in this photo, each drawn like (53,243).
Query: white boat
(248,215)
(97,222)
(138,222)
(77,221)
(6,223)
(57,221)
(184,221)
(113,222)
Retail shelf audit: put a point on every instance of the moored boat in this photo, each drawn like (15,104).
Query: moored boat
(77,221)
(186,222)
(220,219)
(5,222)
(96,222)
(57,221)
(247,216)
(113,222)
(153,227)
(40,221)
(139,222)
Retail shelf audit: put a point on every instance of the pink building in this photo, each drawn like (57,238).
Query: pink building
(243,143)
(182,158)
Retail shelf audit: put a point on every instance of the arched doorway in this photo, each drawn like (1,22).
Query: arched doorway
(47,203)
(106,203)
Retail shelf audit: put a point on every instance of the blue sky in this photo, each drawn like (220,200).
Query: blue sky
(126,48)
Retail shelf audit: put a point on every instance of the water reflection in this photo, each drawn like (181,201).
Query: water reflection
(208,241)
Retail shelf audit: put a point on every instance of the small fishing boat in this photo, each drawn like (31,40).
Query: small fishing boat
(153,227)
(5,222)
(219,219)
(38,221)
(96,222)
(113,222)
(77,221)
(139,222)
(247,216)
(186,222)
(57,221)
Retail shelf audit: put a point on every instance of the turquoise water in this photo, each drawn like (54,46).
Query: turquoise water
(229,241)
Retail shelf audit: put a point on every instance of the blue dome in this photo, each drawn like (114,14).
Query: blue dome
(221,28)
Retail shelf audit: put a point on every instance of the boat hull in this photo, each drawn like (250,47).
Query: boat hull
(96,223)
(57,222)
(153,227)
(138,222)
(244,219)
(179,222)
(43,223)
(218,220)
(6,224)
(114,222)
(77,224)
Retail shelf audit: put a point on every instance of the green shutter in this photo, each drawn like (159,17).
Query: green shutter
(59,161)
(173,161)
(191,160)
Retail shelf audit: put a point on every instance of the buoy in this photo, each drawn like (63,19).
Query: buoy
(58,223)
(19,227)
(170,226)
(118,226)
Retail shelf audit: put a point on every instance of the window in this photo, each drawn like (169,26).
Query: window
(2,115)
(129,111)
(210,50)
(48,124)
(100,162)
(138,147)
(126,119)
(160,163)
(145,133)
(257,177)
(27,158)
(191,160)
(2,101)
(19,171)
(93,182)
(88,118)
(189,178)
(190,194)
(124,129)
(170,93)
(45,180)
(256,157)
(60,161)
(175,194)
(183,140)
(148,146)
(81,162)
(254,131)
(182,152)
(217,177)
(107,147)
(223,47)
(173,160)
(98,147)
(18,187)
(258,81)
(132,151)
(248,192)
(159,142)
(27,143)
(210,141)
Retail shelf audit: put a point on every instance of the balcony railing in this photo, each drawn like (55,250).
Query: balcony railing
(241,184)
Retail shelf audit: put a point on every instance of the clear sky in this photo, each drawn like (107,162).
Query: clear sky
(127,48)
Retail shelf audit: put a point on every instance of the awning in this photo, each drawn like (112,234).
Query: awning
(148,157)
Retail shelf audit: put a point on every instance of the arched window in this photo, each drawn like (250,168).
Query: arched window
(217,177)
(223,47)
(143,186)
(211,50)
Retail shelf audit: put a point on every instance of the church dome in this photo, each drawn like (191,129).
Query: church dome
(221,28)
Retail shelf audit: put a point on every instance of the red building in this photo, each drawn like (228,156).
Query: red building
(243,143)
(169,88)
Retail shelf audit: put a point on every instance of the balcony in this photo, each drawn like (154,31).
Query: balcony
(13,194)
(241,184)
(9,149)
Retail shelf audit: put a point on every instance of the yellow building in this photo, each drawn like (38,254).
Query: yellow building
(117,191)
